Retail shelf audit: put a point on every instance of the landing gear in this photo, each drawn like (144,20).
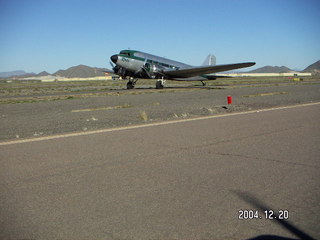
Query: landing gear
(131,83)
(203,83)
(160,83)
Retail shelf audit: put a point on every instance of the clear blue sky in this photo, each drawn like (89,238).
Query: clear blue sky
(49,35)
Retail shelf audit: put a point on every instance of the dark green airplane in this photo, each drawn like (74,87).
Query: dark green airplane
(135,64)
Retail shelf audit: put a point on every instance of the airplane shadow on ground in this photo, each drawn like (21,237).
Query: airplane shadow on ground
(171,88)
(271,237)
(247,197)
(196,86)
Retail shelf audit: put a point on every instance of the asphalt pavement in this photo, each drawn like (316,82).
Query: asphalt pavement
(207,178)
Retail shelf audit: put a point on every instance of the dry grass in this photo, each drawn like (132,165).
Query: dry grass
(143,116)
(264,94)
(103,108)
(36,91)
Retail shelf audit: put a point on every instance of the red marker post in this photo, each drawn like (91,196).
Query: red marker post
(229,98)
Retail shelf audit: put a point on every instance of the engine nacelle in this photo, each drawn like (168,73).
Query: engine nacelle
(153,70)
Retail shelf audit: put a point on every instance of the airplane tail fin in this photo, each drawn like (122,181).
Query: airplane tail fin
(210,60)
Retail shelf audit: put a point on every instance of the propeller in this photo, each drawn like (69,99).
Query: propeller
(144,69)
(112,64)
(115,68)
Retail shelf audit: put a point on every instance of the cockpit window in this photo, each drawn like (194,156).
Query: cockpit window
(125,53)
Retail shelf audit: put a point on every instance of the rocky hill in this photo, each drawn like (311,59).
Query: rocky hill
(271,69)
(44,73)
(82,71)
(313,68)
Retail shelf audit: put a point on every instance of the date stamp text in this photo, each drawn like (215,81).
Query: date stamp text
(249,214)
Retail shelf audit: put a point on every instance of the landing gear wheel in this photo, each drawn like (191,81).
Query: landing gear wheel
(130,85)
(203,83)
(159,85)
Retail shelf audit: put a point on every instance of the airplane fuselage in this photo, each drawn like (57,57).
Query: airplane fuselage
(136,64)
(143,65)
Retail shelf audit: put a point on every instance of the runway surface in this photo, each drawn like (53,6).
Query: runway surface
(183,180)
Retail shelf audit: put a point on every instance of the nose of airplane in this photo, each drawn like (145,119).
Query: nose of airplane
(114,58)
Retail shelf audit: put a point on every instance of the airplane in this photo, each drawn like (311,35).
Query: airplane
(136,65)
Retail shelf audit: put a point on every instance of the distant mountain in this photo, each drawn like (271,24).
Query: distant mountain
(313,68)
(29,75)
(12,73)
(44,73)
(21,74)
(271,69)
(82,71)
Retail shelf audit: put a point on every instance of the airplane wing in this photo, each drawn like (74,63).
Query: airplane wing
(197,71)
